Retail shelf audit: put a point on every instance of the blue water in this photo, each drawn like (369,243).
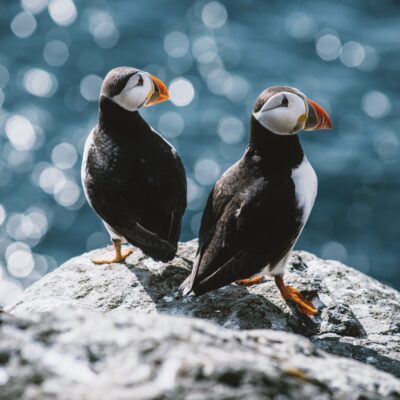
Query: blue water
(342,54)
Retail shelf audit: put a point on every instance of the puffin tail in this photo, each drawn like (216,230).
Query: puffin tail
(159,254)
(151,244)
(186,286)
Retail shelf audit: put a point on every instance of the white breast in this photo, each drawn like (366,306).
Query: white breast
(88,144)
(306,186)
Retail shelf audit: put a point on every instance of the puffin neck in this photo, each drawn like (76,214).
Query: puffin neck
(277,152)
(115,120)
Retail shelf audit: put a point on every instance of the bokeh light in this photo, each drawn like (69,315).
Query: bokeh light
(64,156)
(40,82)
(63,12)
(101,26)
(20,132)
(90,87)
(376,104)
(371,59)
(176,44)
(334,251)
(67,193)
(4,76)
(56,53)
(181,92)
(231,129)
(2,214)
(352,54)
(20,263)
(214,14)
(34,6)
(49,178)
(301,26)
(23,25)
(328,46)
(215,57)
(206,171)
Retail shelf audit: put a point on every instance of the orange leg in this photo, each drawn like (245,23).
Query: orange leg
(118,257)
(290,293)
(250,281)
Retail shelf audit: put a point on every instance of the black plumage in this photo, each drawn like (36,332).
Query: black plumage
(135,180)
(257,210)
(251,218)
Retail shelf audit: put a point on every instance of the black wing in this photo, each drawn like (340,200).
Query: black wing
(179,205)
(256,228)
(141,194)
(221,194)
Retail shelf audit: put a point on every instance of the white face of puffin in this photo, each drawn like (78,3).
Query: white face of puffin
(283,113)
(287,113)
(141,89)
(135,93)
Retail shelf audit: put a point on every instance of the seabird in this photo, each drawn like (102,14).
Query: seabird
(257,210)
(133,178)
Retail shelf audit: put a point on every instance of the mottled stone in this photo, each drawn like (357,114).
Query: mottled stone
(358,318)
(83,355)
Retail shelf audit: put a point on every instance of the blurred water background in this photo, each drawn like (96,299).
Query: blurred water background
(215,56)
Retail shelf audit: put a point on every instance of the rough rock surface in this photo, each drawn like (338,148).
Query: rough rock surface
(123,356)
(137,354)
(359,317)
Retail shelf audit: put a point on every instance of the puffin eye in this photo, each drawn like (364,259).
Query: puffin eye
(140,81)
(285,101)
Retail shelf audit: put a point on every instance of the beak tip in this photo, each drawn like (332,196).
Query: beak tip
(329,124)
(160,94)
(320,117)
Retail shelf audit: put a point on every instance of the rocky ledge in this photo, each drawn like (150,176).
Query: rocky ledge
(85,330)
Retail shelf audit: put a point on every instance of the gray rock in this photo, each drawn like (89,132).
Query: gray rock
(83,355)
(359,319)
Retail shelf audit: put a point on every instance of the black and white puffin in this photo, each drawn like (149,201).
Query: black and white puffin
(132,177)
(258,208)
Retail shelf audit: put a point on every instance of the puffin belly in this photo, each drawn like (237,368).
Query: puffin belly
(306,185)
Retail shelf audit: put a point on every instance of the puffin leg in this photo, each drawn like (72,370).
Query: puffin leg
(250,281)
(289,293)
(119,255)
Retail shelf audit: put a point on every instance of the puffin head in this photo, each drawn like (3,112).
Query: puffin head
(132,88)
(284,110)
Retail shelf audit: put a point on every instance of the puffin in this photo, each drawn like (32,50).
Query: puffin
(133,178)
(258,208)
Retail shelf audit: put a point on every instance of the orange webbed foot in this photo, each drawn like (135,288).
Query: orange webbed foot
(116,259)
(250,281)
(119,256)
(305,306)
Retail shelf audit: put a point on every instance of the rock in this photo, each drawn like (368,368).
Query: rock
(359,319)
(83,355)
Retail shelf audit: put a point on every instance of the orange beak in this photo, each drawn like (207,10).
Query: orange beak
(317,117)
(159,93)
